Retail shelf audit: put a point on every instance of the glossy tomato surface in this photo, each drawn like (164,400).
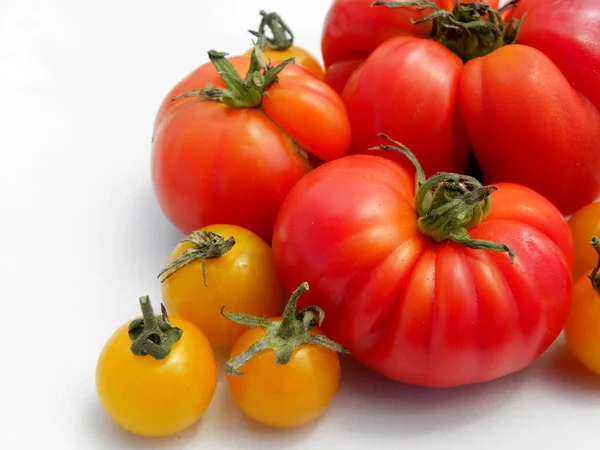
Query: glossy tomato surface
(529,111)
(157,397)
(285,395)
(243,279)
(418,311)
(216,164)
(582,332)
(584,224)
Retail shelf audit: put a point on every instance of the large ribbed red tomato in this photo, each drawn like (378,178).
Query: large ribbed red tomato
(520,91)
(421,287)
(229,151)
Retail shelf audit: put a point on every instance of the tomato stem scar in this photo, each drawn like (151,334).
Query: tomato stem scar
(152,335)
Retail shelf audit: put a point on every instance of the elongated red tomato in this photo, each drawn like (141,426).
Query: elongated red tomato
(229,152)
(520,93)
(400,284)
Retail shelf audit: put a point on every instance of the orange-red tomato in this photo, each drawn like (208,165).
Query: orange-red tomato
(231,156)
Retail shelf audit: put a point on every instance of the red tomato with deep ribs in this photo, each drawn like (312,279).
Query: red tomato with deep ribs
(515,87)
(445,284)
(227,148)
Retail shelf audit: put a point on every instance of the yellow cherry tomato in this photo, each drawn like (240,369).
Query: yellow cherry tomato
(281,45)
(221,265)
(283,371)
(156,377)
(584,223)
(582,330)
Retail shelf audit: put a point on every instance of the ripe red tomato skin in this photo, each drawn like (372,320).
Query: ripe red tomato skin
(514,124)
(215,164)
(349,229)
(576,54)
(182,192)
(495,101)
(422,88)
(354,28)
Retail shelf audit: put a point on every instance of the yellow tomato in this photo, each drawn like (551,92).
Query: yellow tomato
(301,57)
(287,395)
(291,371)
(584,224)
(238,268)
(156,397)
(582,330)
(281,45)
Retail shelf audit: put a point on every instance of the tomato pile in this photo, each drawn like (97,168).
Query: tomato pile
(432,189)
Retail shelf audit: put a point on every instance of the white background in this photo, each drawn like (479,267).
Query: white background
(81,238)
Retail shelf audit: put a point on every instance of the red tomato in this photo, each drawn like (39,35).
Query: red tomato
(214,163)
(398,288)
(354,28)
(528,108)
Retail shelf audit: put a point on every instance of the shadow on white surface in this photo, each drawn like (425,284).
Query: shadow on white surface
(226,419)
(568,377)
(149,231)
(105,433)
(222,419)
(405,409)
(402,412)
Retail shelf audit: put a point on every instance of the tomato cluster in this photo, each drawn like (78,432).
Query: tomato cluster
(362,180)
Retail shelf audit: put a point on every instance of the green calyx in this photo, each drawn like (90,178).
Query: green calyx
(449,204)
(285,335)
(470,30)
(241,93)
(206,245)
(282,39)
(152,335)
(595,276)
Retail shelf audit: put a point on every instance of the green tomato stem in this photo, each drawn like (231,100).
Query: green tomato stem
(152,335)
(282,39)
(448,204)
(470,30)
(207,245)
(282,336)
(595,276)
(240,93)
